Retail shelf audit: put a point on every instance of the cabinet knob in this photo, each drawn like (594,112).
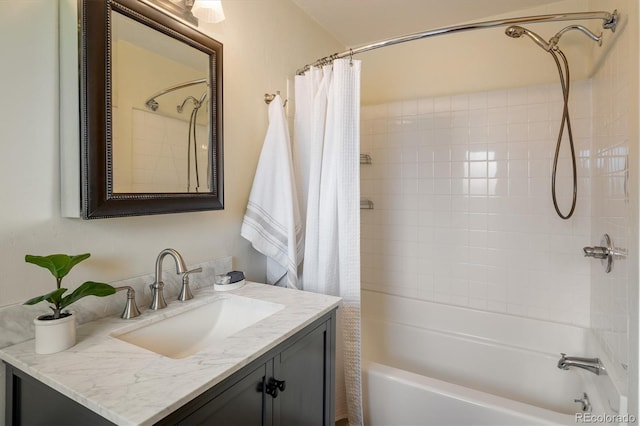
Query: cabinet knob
(274,385)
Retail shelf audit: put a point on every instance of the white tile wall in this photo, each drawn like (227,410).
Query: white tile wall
(463,212)
(612,213)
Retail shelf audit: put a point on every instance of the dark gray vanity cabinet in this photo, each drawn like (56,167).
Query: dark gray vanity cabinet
(303,366)
(29,402)
(240,401)
(292,384)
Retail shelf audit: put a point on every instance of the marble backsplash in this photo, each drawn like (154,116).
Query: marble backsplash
(16,321)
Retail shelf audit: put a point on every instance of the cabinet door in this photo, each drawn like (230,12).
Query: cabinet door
(306,369)
(32,403)
(241,404)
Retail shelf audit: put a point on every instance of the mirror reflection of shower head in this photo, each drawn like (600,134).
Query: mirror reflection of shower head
(516,31)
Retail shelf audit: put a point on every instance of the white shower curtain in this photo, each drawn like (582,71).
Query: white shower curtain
(327,164)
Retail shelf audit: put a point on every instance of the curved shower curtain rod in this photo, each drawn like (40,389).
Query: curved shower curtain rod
(609,21)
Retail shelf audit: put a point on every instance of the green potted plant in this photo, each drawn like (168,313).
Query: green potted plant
(57,331)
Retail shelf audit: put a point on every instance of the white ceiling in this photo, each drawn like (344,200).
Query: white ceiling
(359,22)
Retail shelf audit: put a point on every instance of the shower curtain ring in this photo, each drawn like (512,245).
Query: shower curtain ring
(350,57)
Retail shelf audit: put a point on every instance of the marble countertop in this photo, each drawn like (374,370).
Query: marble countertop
(129,385)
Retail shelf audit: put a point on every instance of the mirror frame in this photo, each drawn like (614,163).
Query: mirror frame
(96,143)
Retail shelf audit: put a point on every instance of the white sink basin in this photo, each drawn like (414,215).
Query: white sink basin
(186,333)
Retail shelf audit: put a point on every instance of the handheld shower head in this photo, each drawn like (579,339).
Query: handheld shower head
(516,31)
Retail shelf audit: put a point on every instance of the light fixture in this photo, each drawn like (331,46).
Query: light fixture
(192,11)
(209,10)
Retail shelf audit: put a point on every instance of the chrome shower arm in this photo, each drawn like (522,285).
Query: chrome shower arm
(180,107)
(597,38)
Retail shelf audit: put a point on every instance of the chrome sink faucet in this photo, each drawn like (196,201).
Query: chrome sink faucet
(590,364)
(157,300)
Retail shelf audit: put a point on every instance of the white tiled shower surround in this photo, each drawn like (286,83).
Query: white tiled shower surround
(462,202)
(613,212)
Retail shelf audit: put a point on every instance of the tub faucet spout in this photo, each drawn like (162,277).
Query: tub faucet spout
(590,364)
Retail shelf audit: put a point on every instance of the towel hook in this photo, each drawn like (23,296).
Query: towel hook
(269,97)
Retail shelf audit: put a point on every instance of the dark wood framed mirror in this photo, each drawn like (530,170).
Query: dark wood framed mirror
(150,112)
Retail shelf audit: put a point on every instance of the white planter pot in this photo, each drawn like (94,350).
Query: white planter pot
(55,335)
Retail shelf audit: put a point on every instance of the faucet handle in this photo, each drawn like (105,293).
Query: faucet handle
(584,401)
(185,291)
(130,308)
(192,271)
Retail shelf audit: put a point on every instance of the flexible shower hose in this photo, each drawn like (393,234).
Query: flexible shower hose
(564,82)
(192,136)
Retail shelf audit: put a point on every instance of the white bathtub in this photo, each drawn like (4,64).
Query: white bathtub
(433,364)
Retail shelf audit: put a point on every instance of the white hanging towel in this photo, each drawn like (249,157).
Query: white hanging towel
(272,220)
